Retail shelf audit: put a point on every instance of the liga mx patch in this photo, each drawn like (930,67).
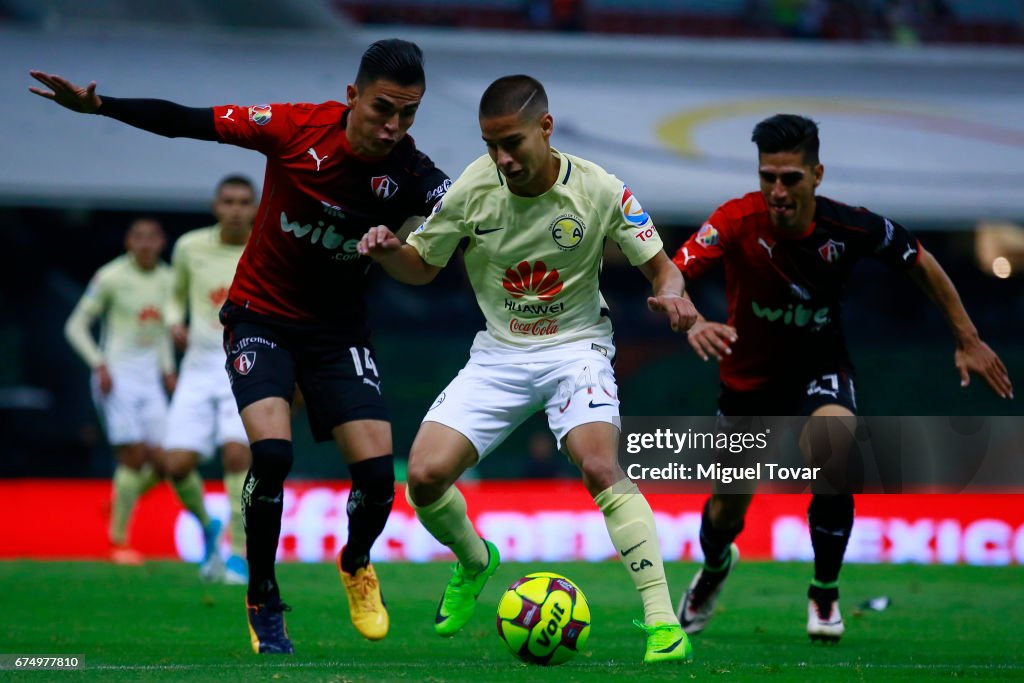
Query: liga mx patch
(632,211)
(707,236)
(260,114)
(244,362)
(383,186)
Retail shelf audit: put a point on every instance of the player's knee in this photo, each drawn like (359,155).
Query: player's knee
(271,460)
(178,464)
(727,510)
(132,456)
(427,480)
(236,457)
(599,474)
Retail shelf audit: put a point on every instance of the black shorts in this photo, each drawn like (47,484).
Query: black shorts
(793,398)
(338,376)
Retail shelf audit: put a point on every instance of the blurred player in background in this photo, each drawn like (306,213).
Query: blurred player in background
(203,416)
(134,354)
(787,255)
(296,310)
(535,221)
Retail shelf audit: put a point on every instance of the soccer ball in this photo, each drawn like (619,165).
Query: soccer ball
(544,619)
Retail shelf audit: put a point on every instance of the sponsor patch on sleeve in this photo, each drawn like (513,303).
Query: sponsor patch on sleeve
(260,114)
(707,236)
(632,211)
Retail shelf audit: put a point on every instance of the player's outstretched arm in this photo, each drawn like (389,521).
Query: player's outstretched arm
(162,117)
(667,283)
(400,261)
(67,94)
(710,339)
(972,354)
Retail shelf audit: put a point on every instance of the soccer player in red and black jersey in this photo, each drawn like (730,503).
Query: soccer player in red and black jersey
(787,254)
(296,311)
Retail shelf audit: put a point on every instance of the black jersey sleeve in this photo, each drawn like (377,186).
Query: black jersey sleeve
(161,117)
(431,183)
(892,244)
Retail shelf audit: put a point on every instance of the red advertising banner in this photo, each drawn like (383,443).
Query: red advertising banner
(528,520)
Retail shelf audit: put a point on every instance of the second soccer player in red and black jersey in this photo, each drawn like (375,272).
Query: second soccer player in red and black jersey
(787,254)
(296,312)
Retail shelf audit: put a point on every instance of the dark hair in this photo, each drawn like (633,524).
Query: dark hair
(514,94)
(235,180)
(788,133)
(144,219)
(393,59)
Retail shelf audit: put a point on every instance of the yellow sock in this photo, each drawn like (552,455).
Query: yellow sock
(447,521)
(631,526)
(128,485)
(149,478)
(233,483)
(190,491)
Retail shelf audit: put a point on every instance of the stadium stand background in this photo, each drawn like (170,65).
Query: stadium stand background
(69,186)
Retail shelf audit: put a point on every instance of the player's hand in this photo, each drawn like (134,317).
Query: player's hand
(680,310)
(977,357)
(179,335)
(711,340)
(170,382)
(67,94)
(378,241)
(104,380)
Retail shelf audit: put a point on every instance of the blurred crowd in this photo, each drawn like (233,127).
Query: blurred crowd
(905,22)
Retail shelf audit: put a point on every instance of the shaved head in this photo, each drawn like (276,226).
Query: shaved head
(521,95)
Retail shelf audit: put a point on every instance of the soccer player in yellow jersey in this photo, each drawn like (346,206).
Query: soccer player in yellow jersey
(535,221)
(203,415)
(133,354)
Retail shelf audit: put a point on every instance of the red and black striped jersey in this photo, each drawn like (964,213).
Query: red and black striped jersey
(319,198)
(784,292)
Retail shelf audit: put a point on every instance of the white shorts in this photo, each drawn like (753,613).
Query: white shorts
(203,412)
(135,410)
(486,402)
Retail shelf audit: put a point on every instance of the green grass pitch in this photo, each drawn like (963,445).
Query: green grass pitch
(159,623)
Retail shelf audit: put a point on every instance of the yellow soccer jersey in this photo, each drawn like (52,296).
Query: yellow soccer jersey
(534,262)
(203,269)
(130,301)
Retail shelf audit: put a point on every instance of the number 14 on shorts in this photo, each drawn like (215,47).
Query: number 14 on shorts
(365,366)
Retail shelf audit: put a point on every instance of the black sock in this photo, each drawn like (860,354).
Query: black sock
(831,519)
(823,596)
(714,541)
(369,504)
(262,504)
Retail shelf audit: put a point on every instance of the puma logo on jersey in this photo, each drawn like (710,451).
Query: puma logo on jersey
(312,152)
(228,115)
(911,250)
(767,247)
(687,257)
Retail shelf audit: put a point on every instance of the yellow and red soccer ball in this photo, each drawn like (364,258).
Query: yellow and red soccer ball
(544,618)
